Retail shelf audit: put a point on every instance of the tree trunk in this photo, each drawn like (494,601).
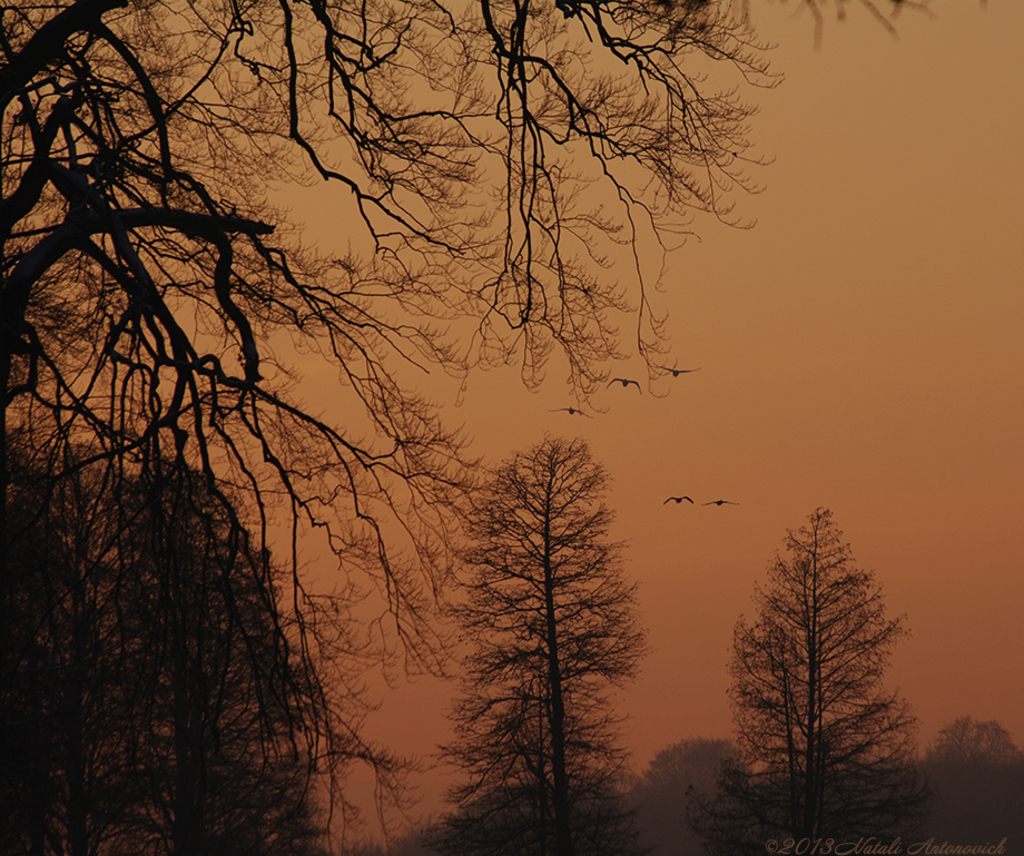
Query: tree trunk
(560,796)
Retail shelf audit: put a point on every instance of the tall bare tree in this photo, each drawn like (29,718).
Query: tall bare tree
(549,620)
(825,750)
(152,699)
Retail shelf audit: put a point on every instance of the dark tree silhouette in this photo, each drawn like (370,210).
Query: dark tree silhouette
(825,750)
(550,624)
(967,740)
(65,699)
(977,772)
(663,791)
(491,156)
(152,700)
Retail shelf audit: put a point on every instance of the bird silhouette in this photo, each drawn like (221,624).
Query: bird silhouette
(677,372)
(678,499)
(625,381)
(572,411)
(721,502)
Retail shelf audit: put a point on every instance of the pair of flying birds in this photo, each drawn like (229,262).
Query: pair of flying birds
(679,499)
(625,381)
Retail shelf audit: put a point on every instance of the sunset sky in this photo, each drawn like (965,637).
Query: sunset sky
(861,348)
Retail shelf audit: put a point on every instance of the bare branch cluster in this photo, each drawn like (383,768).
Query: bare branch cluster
(146,280)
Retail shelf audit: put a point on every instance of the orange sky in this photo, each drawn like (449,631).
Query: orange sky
(862,348)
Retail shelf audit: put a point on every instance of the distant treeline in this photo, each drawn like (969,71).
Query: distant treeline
(974,772)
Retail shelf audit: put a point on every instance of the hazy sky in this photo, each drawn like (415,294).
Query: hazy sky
(861,348)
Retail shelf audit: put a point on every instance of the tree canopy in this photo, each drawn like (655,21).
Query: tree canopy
(977,772)
(967,740)
(664,790)
(499,160)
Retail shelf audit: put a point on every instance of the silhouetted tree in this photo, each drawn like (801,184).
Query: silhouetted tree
(967,740)
(66,686)
(977,772)
(152,700)
(549,620)
(662,792)
(236,722)
(825,750)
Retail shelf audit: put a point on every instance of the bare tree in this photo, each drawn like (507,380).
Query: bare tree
(825,750)
(977,773)
(549,619)
(663,790)
(967,740)
(152,699)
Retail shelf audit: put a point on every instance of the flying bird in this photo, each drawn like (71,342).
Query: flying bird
(678,499)
(572,411)
(721,502)
(625,381)
(677,372)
